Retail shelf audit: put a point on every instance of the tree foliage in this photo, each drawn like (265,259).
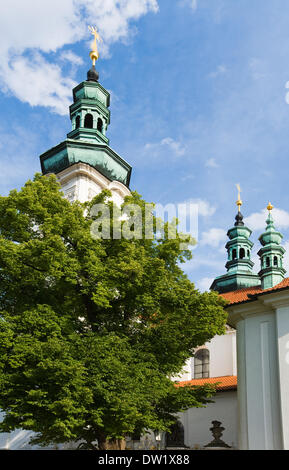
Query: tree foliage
(92,331)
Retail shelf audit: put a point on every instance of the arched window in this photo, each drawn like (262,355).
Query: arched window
(88,122)
(77,122)
(248,253)
(234,254)
(99,125)
(268,262)
(202,364)
(242,253)
(275,261)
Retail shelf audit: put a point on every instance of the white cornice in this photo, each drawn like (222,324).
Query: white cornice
(82,169)
(264,304)
(117,186)
(239,312)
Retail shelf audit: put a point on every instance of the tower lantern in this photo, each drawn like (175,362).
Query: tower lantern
(84,163)
(271,254)
(239,265)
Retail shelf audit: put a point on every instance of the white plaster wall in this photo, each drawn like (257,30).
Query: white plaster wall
(282,317)
(186,373)
(198,421)
(81,188)
(82,182)
(222,355)
(258,378)
(223,360)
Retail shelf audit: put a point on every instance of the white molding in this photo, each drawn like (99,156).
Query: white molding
(82,169)
(86,180)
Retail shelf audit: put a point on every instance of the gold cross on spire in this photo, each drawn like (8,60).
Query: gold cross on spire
(239,202)
(94,54)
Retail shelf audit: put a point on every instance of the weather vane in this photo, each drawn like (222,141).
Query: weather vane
(239,202)
(94,54)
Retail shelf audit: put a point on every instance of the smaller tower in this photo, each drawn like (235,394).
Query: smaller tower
(271,254)
(239,265)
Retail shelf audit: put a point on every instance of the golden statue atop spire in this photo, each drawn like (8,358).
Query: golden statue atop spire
(270,207)
(239,202)
(94,54)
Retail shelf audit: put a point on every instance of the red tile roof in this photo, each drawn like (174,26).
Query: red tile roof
(223,383)
(241,295)
(244,295)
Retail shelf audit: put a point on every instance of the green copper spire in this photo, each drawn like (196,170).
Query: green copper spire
(271,254)
(239,265)
(89,113)
(87,142)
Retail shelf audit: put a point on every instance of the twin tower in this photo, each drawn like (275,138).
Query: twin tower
(239,265)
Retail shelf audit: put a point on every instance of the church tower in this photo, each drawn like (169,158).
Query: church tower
(271,254)
(239,265)
(84,163)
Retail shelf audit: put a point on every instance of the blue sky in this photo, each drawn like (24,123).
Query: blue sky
(199,102)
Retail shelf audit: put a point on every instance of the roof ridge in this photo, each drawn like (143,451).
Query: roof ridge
(245,294)
(224,382)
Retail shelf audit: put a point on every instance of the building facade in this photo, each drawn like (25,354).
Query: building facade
(260,315)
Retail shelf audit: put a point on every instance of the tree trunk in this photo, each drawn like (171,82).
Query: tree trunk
(114,444)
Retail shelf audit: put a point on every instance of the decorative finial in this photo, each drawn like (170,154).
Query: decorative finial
(239,202)
(217,431)
(94,54)
(270,207)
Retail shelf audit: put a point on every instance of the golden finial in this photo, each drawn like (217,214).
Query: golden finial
(270,207)
(239,202)
(94,54)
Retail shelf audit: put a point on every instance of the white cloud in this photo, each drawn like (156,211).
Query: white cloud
(188,177)
(198,261)
(214,237)
(257,221)
(177,147)
(258,68)
(204,284)
(193,4)
(287,94)
(69,56)
(29,29)
(205,209)
(43,84)
(211,163)
(221,70)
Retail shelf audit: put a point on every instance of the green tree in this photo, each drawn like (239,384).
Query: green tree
(93,330)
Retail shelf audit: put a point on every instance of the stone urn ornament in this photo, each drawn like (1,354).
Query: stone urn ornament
(217,431)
